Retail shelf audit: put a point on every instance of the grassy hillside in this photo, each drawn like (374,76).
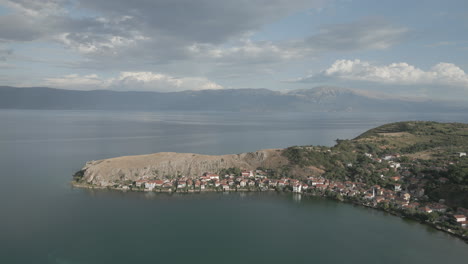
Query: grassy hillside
(428,152)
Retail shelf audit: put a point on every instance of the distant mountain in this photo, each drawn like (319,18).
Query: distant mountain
(250,100)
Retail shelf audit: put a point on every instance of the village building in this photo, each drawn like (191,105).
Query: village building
(243,183)
(150,185)
(140,183)
(247,174)
(297,188)
(459,218)
(212,176)
(181,184)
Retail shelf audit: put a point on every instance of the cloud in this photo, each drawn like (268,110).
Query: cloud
(132,81)
(363,34)
(201,21)
(123,35)
(400,73)
(360,35)
(245,52)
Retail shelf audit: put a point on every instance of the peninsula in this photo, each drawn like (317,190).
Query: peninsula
(411,169)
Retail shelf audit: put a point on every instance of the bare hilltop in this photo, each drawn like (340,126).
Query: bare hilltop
(107,172)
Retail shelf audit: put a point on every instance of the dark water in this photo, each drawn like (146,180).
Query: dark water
(44,220)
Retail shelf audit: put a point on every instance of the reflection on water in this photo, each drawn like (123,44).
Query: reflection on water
(297,197)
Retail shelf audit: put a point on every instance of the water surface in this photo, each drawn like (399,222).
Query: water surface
(45,220)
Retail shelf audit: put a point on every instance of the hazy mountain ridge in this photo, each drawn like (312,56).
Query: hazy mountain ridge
(322,99)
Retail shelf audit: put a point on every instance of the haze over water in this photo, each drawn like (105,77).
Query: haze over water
(45,220)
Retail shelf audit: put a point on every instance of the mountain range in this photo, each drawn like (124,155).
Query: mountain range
(318,99)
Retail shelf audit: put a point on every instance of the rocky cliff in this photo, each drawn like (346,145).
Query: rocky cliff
(107,172)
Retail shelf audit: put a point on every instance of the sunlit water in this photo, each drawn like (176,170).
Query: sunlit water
(44,220)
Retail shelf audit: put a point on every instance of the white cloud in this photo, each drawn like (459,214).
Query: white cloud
(400,73)
(246,51)
(132,81)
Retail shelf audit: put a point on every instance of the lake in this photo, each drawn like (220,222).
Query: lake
(45,220)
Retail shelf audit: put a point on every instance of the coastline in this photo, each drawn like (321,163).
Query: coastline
(75,184)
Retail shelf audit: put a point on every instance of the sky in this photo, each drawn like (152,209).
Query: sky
(406,48)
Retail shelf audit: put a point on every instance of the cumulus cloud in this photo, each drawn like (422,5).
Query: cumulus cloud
(132,81)
(400,73)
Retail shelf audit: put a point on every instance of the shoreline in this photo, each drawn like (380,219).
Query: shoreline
(348,201)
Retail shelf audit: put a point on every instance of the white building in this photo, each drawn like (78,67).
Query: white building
(150,185)
(297,188)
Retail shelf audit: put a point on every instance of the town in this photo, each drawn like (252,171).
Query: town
(404,195)
(415,170)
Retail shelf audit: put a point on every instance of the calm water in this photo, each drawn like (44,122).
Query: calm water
(44,220)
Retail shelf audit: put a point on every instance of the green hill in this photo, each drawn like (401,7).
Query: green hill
(428,153)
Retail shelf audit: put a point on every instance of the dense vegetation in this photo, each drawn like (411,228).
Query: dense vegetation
(427,151)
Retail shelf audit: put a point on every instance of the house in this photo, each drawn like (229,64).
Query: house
(402,203)
(262,183)
(314,181)
(248,174)
(243,183)
(293,182)
(368,155)
(181,184)
(395,178)
(397,187)
(158,183)
(281,183)
(212,176)
(438,207)
(340,187)
(225,187)
(167,185)
(273,183)
(251,183)
(426,210)
(261,174)
(379,199)
(150,185)
(297,188)
(462,154)
(140,183)
(459,218)
(189,183)
(406,196)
